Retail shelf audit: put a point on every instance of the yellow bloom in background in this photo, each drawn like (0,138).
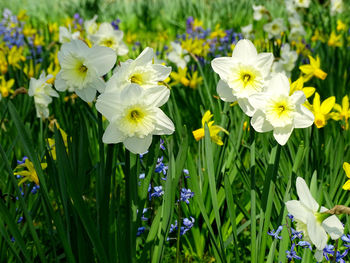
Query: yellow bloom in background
(38,40)
(318,36)
(322,110)
(3,60)
(22,15)
(313,69)
(5,87)
(28,30)
(299,85)
(29,173)
(335,40)
(15,56)
(30,70)
(195,80)
(130,37)
(213,129)
(180,77)
(346,167)
(198,47)
(342,112)
(340,25)
(197,23)
(52,143)
(218,32)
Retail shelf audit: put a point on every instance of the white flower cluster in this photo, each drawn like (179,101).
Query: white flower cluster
(246,78)
(130,99)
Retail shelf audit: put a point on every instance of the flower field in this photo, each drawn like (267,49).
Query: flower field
(174,131)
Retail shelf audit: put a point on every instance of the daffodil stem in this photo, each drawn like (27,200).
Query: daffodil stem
(253,203)
(335,251)
(178,258)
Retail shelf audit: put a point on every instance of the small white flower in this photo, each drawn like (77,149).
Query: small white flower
(290,7)
(178,55)
(42,93)
(310,220)
(107,36)
(243,74)
(134,116)
(142,71)
(277,111)
(287,61)
(302,3)
(337,6)
(66,35)
(260,11)
(82,68)
(247,31)
(275,28)
(91,26)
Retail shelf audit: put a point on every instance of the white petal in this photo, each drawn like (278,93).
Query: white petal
(122,49)
(87,93)
(305,196)
(97,84)
(225,92)
(102,59)
(264,62)
(244,50)
(145,57)
(259,122)
(60,84)
(138,145)
(112,134)
(298,97)
(317,234)
(223,66)
(282,134)
(74,47)
(107,104)
(161,72)
(163,125)
(333,226)
(132,92)
(157,96)
(295,208)
(246,106)
(319,255)
(278,85)
(303,118)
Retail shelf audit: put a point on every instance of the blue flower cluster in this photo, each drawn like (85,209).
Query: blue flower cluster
(11,30)
(187,224)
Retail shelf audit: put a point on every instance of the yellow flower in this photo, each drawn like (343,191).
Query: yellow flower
(342,112)
(213,129)
(197,23)
(335,40)
(346,167)
(313,69)
(322,110)
(318,37)
(3,60)
(30,70)
(29,174)
(218,32)
(299,85)
(52,143)
(5,86)
(22,15)
(38,40)
(180,77)
(130,37)
(198,47)
(28,31)
(53,27)
(340,25)
(195,80)
(15,56)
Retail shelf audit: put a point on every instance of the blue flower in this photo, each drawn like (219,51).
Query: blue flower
(275,234)
(140,230)
(158,191)
(304,244)
(186,194)
(23,160)
(328,250)
(161,167)
(296,234)
(20,219)
(346,239)
(292,254)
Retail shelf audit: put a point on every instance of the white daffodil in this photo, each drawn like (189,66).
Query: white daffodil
(66,35)
(247,31)
(275,28)
(297,31)
(42,93)
(141,71)
(337,6)
(260,11)
(290,7)
(178,55)
(302,3)
(287,61)
(134,116)
(311,221)
(91,26)
(243,74)
(82,68)
(107,36)
(277,111)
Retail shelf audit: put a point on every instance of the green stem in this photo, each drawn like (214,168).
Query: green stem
(253,203)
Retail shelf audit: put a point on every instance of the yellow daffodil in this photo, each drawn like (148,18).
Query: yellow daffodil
(29,173)
(195,80)
(5,86)
(30,70)
(213,129)
(322,110)
(346,167)
(52,143)
(180,77)
(3,60)
(195,46)
(299,85)
(342,112)
(28,30)
(313,69)
(340,25)
(197,23)
(15,56)
(318,36)
(335,40)
(22,15)
(218,32)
